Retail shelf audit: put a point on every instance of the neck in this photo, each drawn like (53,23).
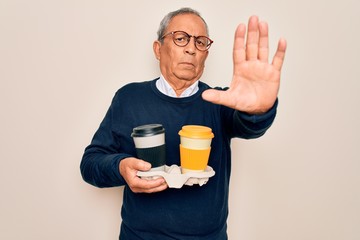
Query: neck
(179,86)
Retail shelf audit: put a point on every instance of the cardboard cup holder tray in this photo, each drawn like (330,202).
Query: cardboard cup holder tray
(175,179)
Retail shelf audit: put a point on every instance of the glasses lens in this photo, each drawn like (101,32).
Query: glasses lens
(181,38)
(202,43)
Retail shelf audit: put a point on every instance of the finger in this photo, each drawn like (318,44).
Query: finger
(211,95)
(160,188)
(280,54)
(129,167)
(133,164)
(217,97)
(147,186)
(252,40)
(263,54)
(239,44)
(141,165)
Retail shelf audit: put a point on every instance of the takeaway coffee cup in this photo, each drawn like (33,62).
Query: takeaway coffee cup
(150,145)
(195,146)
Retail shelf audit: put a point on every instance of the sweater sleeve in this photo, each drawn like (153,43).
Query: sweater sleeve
(249,126)
(100,162)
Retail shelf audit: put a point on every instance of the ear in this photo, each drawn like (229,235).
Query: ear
(156,48)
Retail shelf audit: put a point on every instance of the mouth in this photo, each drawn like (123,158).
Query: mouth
(189,64)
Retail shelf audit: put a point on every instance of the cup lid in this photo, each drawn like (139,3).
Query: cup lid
(147,130)
(196,131)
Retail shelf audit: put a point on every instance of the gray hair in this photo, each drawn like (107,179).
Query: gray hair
(166,21)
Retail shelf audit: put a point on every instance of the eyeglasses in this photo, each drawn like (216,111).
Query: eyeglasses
(182,39)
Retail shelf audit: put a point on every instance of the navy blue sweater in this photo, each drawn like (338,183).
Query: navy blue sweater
(189,213)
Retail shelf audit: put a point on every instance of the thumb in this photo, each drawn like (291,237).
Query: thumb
(214,96)
(142,165)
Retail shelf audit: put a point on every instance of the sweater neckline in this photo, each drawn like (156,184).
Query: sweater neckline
(191,98)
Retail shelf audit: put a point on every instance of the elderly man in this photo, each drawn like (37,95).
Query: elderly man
(152,210)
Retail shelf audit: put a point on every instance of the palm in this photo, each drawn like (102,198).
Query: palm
(255,82)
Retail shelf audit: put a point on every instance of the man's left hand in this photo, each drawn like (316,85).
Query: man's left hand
(255,84)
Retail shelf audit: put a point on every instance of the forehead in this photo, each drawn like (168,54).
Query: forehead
(189,23)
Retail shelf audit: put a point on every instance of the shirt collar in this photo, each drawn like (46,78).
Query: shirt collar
(164,87)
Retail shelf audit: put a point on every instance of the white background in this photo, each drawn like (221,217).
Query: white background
(62,61)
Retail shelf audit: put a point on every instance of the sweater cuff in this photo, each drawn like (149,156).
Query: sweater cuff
(115,167)
(256,118)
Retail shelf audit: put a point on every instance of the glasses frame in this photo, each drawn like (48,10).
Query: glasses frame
(189,37)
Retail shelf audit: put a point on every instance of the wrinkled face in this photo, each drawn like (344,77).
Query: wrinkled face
(182,65)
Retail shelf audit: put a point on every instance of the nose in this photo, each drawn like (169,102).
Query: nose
(190,47)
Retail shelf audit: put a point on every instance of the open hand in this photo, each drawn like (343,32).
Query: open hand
(255,84)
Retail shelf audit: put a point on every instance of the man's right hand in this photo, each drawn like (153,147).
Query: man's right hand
(129,167)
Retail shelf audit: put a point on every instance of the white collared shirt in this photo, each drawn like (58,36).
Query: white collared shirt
(164,87)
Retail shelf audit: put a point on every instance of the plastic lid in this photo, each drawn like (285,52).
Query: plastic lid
(147,130)
(196,131)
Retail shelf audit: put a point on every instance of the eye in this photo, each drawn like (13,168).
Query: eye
(201,42)
(180,39)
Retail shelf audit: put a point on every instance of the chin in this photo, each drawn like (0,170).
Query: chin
(187,77)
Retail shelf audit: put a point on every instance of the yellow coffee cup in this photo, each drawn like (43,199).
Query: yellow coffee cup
(195,146)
